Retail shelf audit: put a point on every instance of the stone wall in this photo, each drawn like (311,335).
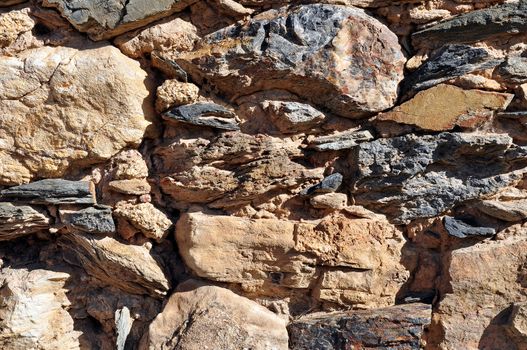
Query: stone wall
(220,174)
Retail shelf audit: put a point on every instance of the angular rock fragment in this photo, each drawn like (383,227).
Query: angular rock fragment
(443,107)
(322,53)
(476,26)
(93,220)
(514,210)
(293,117)
(20,220)
(460,229)
(450,61)
(115,17)
(329,201)
(518,320)
(395,327)
(514,69)
(51,191)
(174,93)
(197,315)
(34,312)
(62,107)
(480,282)
(270,253)
(132,186)
(340,140)
(399,176)
(204,114)
(327,185)
(149,220)
(129,268)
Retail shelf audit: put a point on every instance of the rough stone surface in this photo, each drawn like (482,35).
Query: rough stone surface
(174,93)
(127,267)
(443,107)
(219,317)
(55,112)
(204,114)
(293,117)
(346,257)
(34,312)
(460,229)
(329,200)
(513,210)
(396,327)
(397,176)
(93,220)
(149,220)
(103,21)
(328,184)
(20,220)
(51,191)
(340,140)
(291,51)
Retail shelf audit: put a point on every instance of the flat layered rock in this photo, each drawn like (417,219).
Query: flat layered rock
(443,107)
(51,191)
(395,327)
(344,261)
(290,49)
(92,220)
(460,229)
(293,117)
(104,21)
(20,220)
(398,176)
(513,210)
(204,114)
(129,268)
(62,107)
(340,140)
(219,317)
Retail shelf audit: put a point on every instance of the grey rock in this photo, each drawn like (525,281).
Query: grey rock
(460,229)
(314,51)
(410,177)
(293,117)
(511,211)
(395,327)
(123,325)
(51,191)
(476,26)
(104,19)
(204,114)
(514,70)
(448,62)
(329,184)
(340,141)
(20,220)
(92,219)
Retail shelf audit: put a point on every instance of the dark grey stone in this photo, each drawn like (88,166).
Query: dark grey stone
(395,327)
(476,25)
(92,219)
(21,220)
(460,229)
(327,185)
(51,191)
(514,70)
(410,177)
(204,114)
(448,62)
(340,141)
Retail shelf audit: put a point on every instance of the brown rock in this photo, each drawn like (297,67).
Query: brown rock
(444,106)
(132,186)
(129,164)
(129,268)
(167,36)
(270,252)
(34,312)
(20,220)
(14,24)
(55,110)
(152,222)
(327,75)
(329,200)
(219,317)
(174,93)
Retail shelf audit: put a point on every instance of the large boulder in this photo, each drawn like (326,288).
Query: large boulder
(334,56)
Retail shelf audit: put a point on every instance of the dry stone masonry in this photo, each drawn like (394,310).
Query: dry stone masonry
(265,175)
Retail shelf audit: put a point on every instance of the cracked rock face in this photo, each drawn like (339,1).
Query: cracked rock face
(55,114)
(320,51)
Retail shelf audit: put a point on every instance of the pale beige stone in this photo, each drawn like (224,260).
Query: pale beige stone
(14,24)
(62,107)
(152,222)
(174,93)
(34,311)
(329,200)
(129,164)
(132,186)
(219,319)
(444,106)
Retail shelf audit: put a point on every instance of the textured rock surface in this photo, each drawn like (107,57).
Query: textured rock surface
(52,191)
(109,19)
(293,48)
(20,220)
(56,114)
(396,327)
(219,317)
